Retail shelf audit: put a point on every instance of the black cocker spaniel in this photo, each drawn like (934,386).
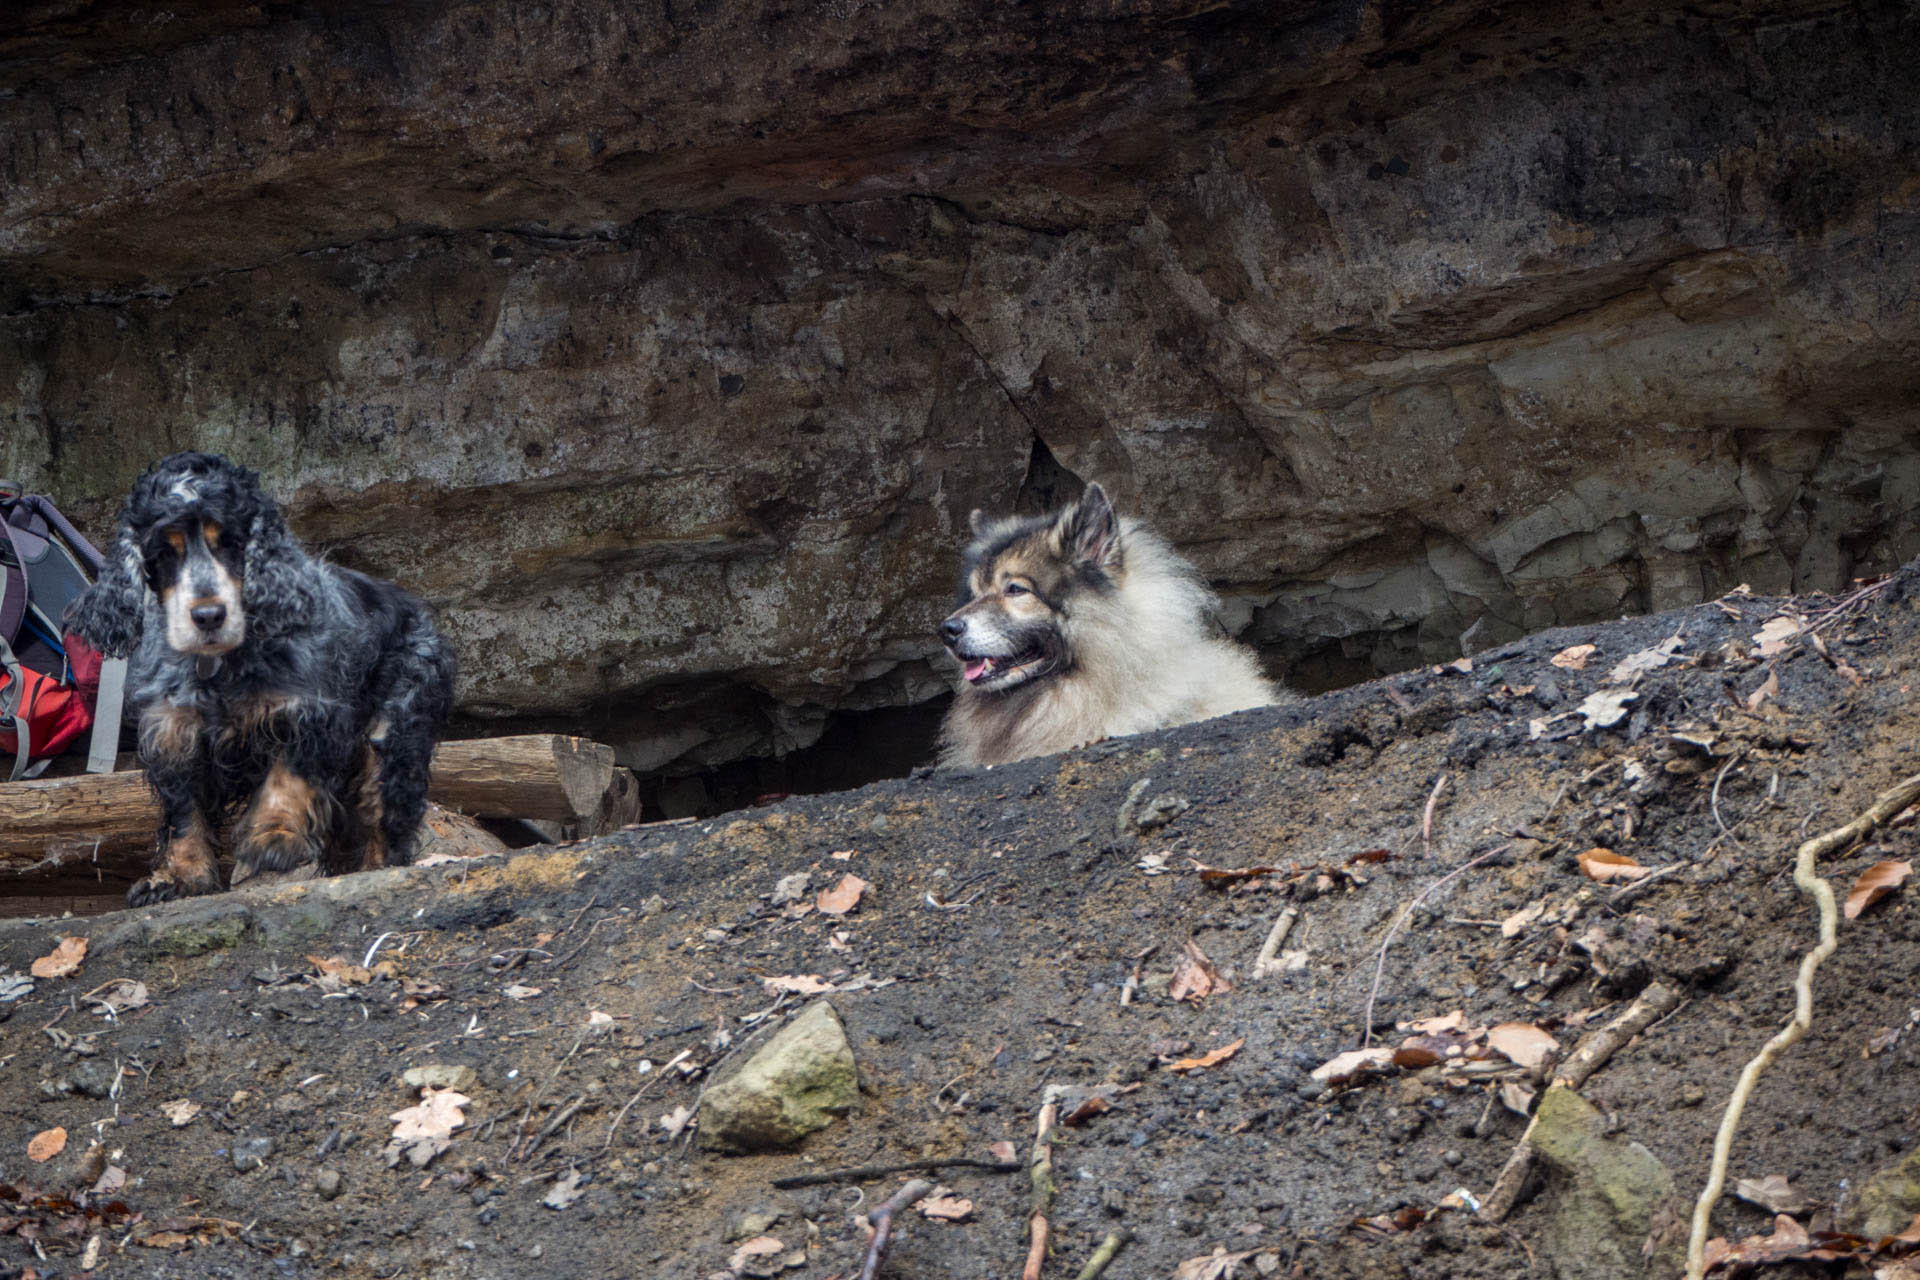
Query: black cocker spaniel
(287,708)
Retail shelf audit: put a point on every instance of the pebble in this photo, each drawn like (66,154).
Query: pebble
(251,1154)
(653,906)
(327,1183)
(94,1078)
(1451,1158)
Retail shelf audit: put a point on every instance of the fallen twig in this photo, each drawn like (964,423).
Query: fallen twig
(1655,1003)
(1890,802)
(1628,892)
(1040,1168)
(614,1128)
(560,1117)
(861,1172)
(1132,984)
(1426,819)
(1111,1246)
(1380,960)
(1263,964)
(1714,799)
(881,1220)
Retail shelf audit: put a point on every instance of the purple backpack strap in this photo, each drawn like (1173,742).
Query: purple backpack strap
(13,575)
(63,526)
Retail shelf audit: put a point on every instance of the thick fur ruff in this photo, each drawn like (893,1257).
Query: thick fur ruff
(1117,630)
(287,708)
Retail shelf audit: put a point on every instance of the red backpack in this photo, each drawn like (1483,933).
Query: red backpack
(48,679)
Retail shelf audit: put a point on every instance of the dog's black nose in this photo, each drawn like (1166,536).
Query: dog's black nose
(953,629)
(208,617)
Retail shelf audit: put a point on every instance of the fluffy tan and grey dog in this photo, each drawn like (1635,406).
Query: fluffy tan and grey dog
(1078,626)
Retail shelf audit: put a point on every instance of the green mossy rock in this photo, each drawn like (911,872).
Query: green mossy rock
(799,1082)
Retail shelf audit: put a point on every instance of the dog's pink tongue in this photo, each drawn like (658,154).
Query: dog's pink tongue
(977,667)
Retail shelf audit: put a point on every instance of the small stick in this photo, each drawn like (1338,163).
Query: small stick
(614,1128)
(1264,963)
(1628,892)
(1132,984)
(881,1220)
(1725,830)
(1040,1167)
(1655,1003)
(1115,1241)
(1426,819)
(1890,802)
(861,1172)
(1380,961)
(560,1117)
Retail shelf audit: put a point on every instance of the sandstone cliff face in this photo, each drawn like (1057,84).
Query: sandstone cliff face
(665,347)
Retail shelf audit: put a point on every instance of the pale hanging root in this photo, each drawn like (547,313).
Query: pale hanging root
(1891,801)
(1040,1168)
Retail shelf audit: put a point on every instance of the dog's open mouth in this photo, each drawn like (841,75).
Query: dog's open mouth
(986,671)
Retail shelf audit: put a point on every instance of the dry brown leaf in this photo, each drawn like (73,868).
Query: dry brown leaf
(63,961)
(1093,1106)
(423,1131)
(1218,1265)
(341,970)
(1768,688)
(1194,977)
(1777,634)
(1212,1057)
(46,1144)
(1605,865)
(1773,1194)
(180,1112)
(1434,1026)
(944,1205)
(758,1247)
(1517,923)
(843,897)
(1875,883)
(1003,1151)
(1345,1066)
(1635,665)
(801,984)
(1575,657)
(1523,1043)
(1517,1098)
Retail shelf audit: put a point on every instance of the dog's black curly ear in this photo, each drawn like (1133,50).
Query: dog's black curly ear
(276,581)
(1089,530)
(108,614)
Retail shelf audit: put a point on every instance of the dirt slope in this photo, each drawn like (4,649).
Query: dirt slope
(1005,913)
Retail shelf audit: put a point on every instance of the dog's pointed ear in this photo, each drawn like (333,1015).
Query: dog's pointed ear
(108,614)
(1090,531)
(276,585)
(978,522)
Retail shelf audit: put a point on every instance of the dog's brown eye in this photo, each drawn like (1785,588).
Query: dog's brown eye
(1014,589)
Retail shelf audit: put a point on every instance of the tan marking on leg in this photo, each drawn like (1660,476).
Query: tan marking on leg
(168,732)
(186,867)
(283,826)
(370,810)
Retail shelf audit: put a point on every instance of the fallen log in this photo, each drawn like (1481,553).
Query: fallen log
(545,777)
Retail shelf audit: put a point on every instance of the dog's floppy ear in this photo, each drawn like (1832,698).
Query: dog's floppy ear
(276,585)
(108,614)
(1089,531)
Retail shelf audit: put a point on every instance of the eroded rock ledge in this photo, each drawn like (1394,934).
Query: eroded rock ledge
(666,350)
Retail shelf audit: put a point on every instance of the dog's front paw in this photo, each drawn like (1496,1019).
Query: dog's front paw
(272,851)
(163,886)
